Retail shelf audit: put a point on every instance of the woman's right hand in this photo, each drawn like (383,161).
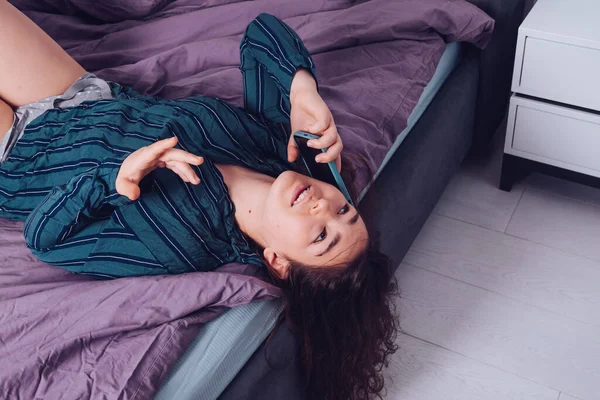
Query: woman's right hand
(310,113)
(157,155)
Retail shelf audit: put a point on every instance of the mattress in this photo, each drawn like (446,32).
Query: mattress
(225,344)
(448,62)
(219,351)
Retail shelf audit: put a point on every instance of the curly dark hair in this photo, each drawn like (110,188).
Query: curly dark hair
(346,321)
(345,318)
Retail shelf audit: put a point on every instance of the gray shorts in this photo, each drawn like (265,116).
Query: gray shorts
(87,87)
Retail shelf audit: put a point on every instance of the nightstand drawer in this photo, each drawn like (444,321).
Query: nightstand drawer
(554,135)
(561,72)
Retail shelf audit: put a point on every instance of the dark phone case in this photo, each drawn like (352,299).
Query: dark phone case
(325,172)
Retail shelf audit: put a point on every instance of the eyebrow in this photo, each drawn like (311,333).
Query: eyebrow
(337,237)
(335,241)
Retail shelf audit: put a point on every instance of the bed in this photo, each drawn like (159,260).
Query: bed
(181,351)
(459,122)
(247,326)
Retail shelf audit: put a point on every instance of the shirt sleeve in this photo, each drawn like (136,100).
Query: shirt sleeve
(69,208)
(272,45)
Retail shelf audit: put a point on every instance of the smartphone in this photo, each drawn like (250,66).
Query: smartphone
(325,172)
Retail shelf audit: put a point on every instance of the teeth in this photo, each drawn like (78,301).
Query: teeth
(301,196)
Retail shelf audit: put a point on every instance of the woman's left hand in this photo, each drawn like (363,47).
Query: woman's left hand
(309,113)
(160,154)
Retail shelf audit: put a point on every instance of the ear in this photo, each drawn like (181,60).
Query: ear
(278,263)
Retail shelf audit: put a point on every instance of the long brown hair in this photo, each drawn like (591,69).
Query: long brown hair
(345,319)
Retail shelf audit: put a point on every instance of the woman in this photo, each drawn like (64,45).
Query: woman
(113,183)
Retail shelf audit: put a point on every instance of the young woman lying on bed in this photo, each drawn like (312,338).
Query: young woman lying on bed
(92,167)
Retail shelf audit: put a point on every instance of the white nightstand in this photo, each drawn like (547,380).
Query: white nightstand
(554,115)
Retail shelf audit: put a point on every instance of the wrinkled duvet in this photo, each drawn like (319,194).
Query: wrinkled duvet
(71,337)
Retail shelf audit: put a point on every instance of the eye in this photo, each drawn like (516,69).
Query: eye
(322,236)
(344,209)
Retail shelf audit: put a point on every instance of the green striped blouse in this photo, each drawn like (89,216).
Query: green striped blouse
(60,176)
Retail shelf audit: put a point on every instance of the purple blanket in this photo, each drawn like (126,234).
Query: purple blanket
(66,336)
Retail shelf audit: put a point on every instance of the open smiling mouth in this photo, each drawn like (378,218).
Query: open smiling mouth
(301,195)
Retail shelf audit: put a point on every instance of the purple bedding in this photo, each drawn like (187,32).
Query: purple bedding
(66,336)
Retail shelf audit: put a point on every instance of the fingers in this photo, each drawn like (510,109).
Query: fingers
(338,163)
(292,150)
(331,141)
(176,160)
(157,155)
(164,151)
(182,156)
(175,168)
(184,171)
(331,154)
(323,142)
(330,136)
(159,147)
(179,162)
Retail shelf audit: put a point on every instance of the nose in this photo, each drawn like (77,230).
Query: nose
(319,206)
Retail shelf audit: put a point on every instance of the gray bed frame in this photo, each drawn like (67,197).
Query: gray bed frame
(459,122)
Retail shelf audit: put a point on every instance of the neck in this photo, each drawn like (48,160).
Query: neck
(248,191)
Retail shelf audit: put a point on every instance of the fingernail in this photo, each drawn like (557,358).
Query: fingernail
(319,158)
(310,143)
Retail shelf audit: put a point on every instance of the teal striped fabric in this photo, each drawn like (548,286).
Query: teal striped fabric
(60,176)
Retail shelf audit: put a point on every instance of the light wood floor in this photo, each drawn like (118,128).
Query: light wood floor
(501,293)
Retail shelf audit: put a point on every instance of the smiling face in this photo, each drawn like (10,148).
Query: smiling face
(310,222)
